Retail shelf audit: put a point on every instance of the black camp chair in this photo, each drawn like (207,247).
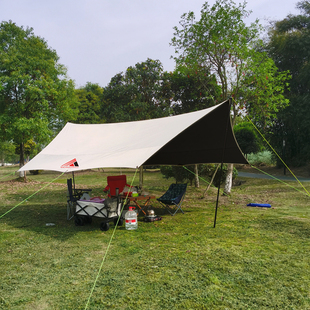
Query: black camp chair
(73,196)
(173,198)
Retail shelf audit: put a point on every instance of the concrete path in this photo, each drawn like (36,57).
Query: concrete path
(265,176)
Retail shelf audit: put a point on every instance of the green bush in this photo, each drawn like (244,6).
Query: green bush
(182,175)
(247,138)
(179,173)
(260,158)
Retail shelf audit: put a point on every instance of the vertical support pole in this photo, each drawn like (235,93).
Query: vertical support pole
(141,177)
(73,181)
(218,190)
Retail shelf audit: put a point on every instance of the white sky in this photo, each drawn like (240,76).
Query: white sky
(97,39)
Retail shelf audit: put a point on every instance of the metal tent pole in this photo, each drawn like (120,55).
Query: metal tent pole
(73,181)
(218,190)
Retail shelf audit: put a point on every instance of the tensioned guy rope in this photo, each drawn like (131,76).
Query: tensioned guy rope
(31,195)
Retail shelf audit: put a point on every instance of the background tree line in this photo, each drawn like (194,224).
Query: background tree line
(145,91)
(217,56)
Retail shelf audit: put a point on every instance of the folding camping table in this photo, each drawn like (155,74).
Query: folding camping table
(138,201)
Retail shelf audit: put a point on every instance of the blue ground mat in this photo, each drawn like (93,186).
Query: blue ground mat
(262,205)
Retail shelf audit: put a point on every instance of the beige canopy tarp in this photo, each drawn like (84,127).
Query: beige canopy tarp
(204,136)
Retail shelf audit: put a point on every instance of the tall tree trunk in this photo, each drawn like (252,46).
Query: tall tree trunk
(228,181)
(22,174)
(196,176)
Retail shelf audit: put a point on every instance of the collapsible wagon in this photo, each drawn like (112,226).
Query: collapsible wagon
(82,208)
(109,210)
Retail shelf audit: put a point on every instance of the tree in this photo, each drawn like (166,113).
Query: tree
(136,94)
(7,153)
(289,46)
(223,43)
(145,80)
(30,148)
(115,98)
(89,106)
(35,94)
(192,89)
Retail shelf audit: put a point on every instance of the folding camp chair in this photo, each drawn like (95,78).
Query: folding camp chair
(73,196)
(115,182)
(173,198)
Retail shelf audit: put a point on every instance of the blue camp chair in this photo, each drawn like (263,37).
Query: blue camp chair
(173,198)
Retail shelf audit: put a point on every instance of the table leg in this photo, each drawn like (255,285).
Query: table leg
(135,201)
(146,204)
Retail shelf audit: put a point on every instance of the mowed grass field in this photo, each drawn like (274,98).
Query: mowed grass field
(255,258)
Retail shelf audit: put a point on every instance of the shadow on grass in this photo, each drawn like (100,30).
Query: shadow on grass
(50,206)
(51,220)
(47,219)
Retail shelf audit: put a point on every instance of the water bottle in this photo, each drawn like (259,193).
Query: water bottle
(131,221)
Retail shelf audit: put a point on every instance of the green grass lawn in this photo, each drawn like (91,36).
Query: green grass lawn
(255,258)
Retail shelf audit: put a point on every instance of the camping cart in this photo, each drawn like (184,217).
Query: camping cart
(109,209)
(82,207)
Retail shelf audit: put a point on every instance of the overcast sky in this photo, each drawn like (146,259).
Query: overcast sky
(97,39)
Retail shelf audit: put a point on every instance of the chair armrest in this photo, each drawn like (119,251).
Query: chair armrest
(107,188)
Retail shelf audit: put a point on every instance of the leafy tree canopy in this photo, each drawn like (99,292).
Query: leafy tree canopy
(35,93)
(7,152)
(191,88)
(89,106)
(222,42)
(289,46)
(136,94)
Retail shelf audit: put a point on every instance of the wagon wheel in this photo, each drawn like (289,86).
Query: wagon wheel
(79,221)
(88,219)
(120,222)
(104,226)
